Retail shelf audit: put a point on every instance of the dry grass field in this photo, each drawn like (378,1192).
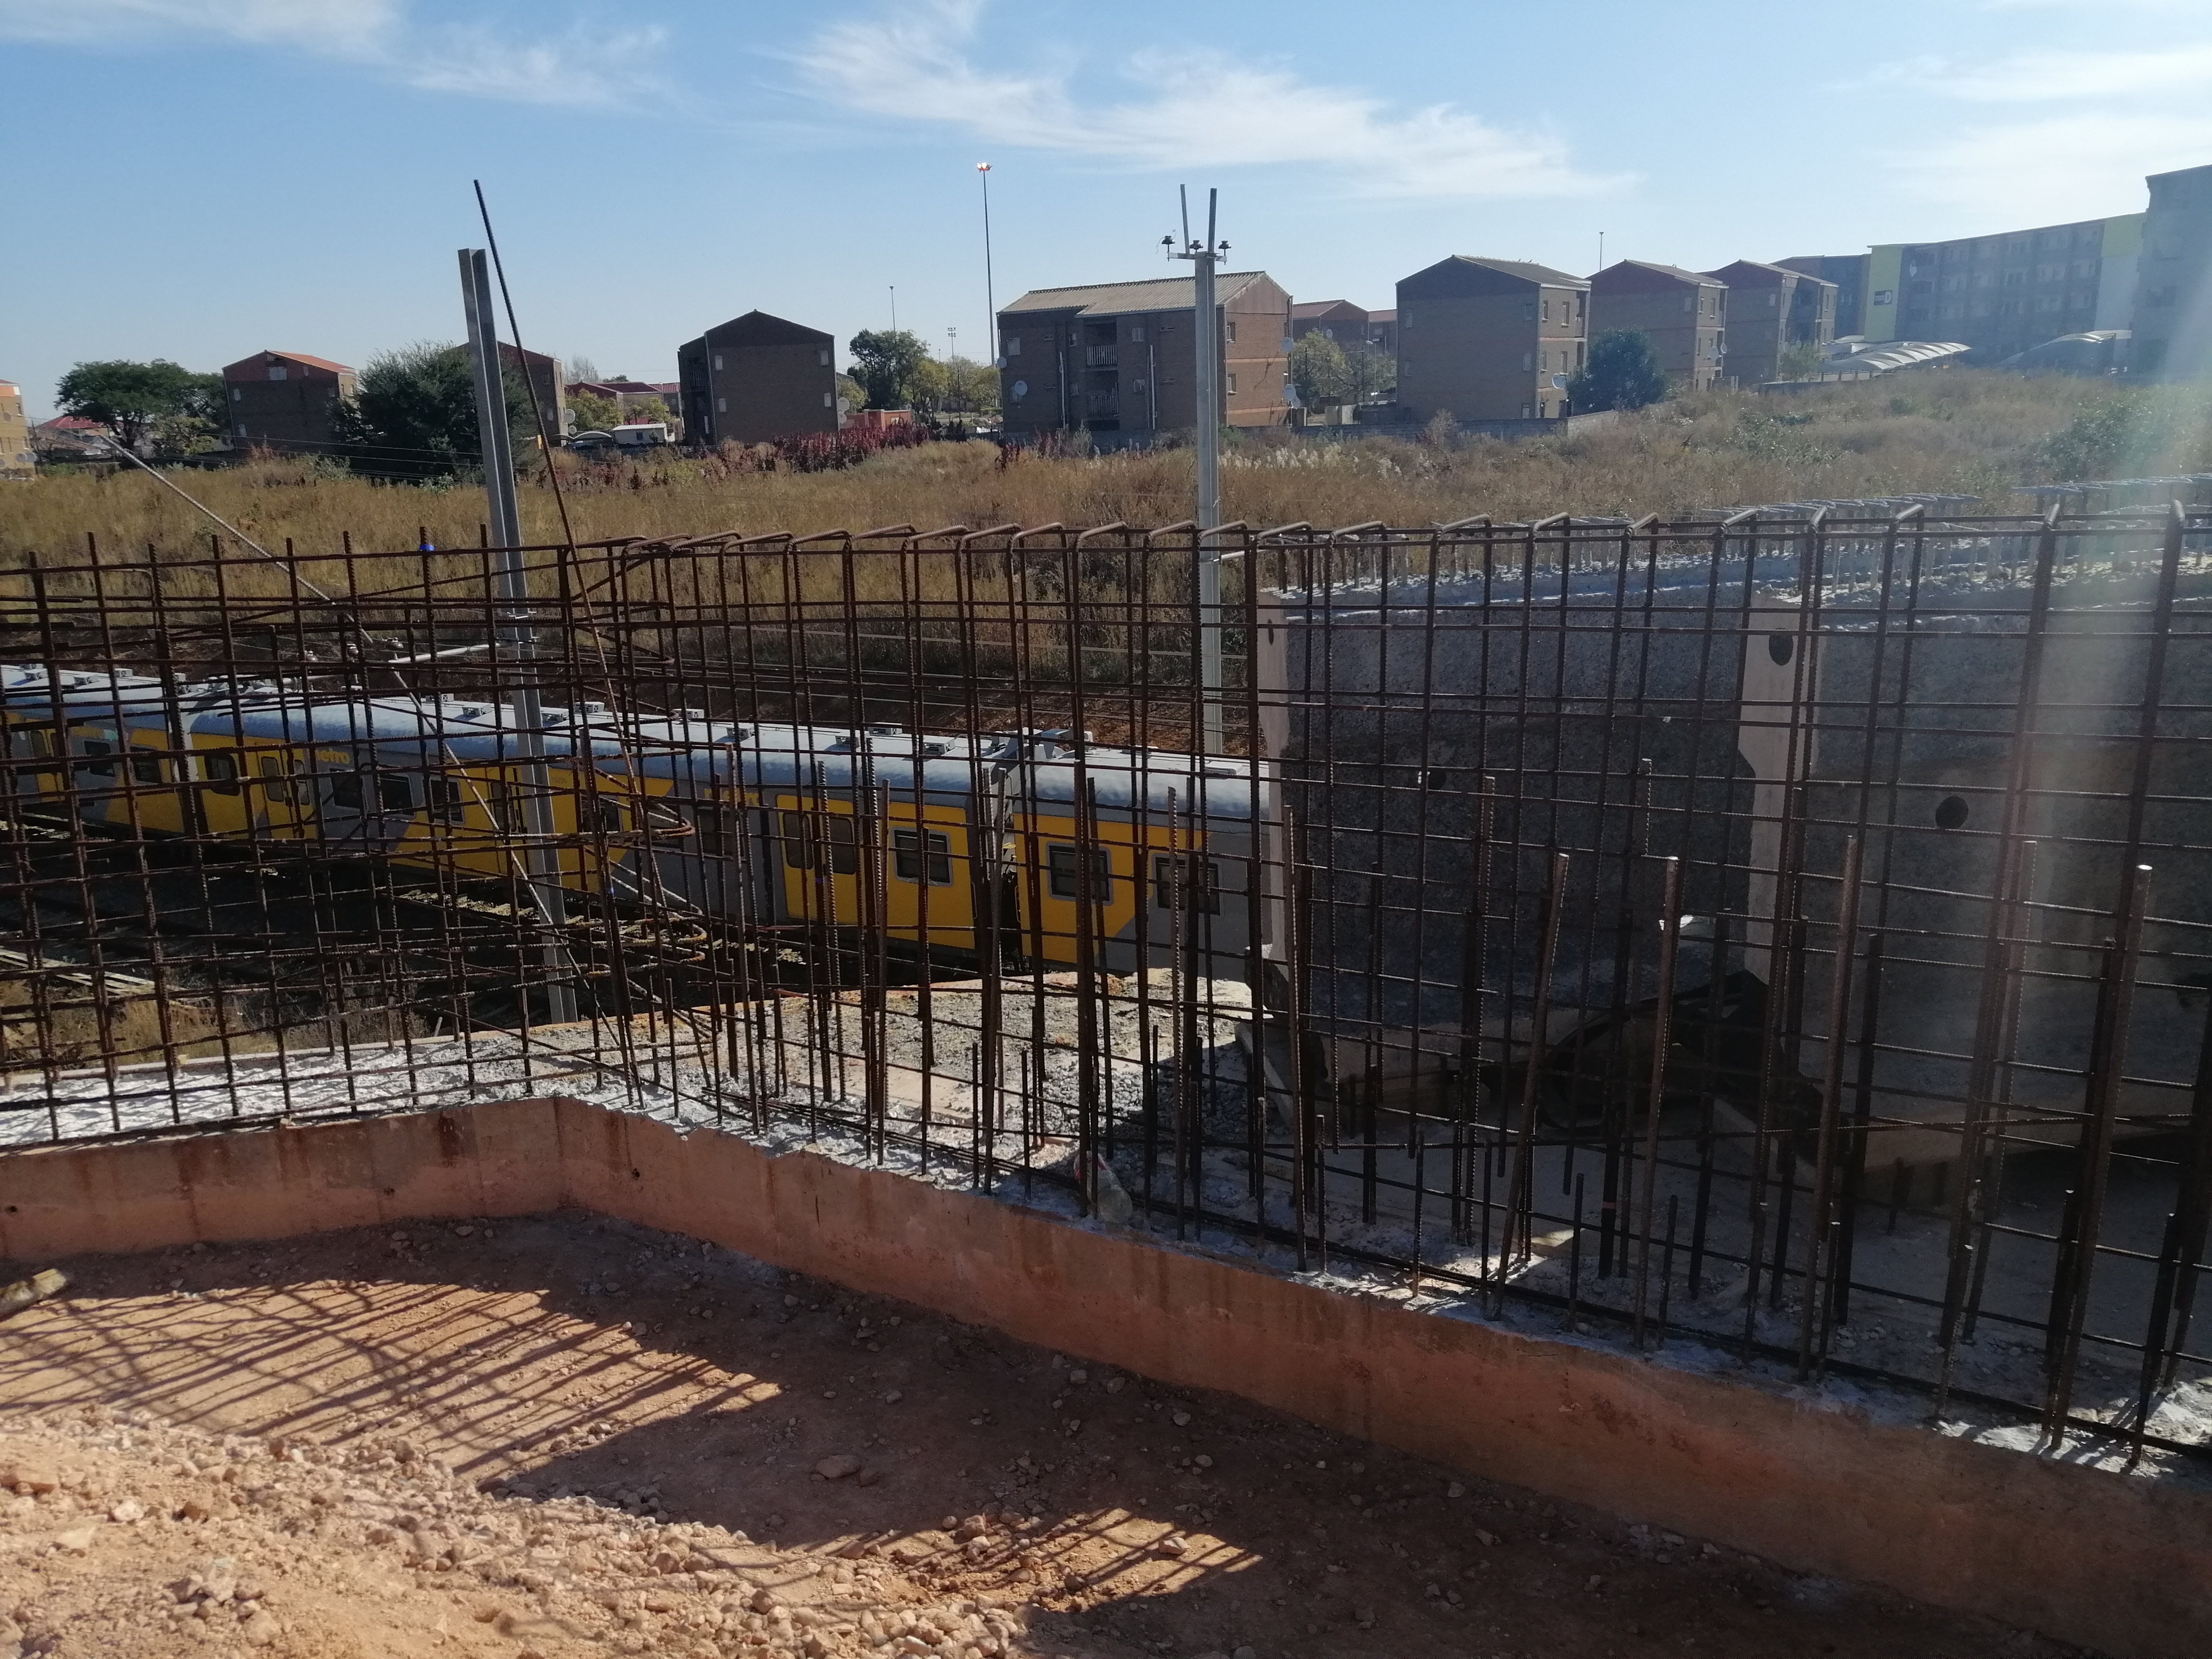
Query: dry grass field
(1965,431)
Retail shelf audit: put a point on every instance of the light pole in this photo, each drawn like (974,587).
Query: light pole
(893,307)
(1206,382)
(990,291)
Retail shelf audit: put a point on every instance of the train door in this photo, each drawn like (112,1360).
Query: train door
(362,807)
(820,846)
(158,788)
(923,851)
(285,803)
(930,889)
(1050,885)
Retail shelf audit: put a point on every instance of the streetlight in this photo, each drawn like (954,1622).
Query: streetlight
(990,292)
(1206,381)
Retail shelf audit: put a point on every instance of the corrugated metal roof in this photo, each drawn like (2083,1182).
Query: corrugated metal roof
(1114,299)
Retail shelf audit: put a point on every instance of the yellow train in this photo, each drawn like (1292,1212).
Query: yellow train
(939,840)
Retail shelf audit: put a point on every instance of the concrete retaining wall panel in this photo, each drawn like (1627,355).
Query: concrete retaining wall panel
(2115,1563)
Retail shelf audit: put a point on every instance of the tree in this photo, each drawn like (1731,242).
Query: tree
(971,388)
(1801,360)
(413,414)
(1622,371)
(1319,371)
(1373,370)
(131,399)
(887,362)
(593,412)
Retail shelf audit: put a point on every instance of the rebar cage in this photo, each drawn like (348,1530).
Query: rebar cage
(1787,933)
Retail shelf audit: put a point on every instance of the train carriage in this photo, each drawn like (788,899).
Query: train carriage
(950,844)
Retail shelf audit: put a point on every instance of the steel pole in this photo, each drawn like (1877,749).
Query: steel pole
(1206,341)
(497,448)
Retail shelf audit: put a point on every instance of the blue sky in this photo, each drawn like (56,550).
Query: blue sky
(202,178)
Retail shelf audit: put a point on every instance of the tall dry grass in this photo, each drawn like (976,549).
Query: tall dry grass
(1975,433)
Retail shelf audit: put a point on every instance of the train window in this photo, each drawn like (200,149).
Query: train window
(797,843)
(345,790)
(30,743)
(98,758)
(844,845)
(276,781)
(393,793)
(712,827)
(1061,871)
(907,856)
(220,772)
(1199,879)
(145,768)
(449,801)
(606,816)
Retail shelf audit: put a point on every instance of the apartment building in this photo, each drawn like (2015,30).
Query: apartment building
(1848,271)
(2172,312)
(18,460)
(2000,294)
(285,400)
(1119,357)
(1489,339)
(757,378)
(1685,313)
(1337,319)
(546,387)
(1770,309)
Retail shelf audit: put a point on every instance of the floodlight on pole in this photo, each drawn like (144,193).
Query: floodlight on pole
(990,288)
(1207,416)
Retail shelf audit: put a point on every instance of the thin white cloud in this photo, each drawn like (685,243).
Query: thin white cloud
(1188,110)
(598,67)
(2036,77)
(2058,168)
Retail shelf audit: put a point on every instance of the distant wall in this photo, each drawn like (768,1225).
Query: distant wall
(2115,1563)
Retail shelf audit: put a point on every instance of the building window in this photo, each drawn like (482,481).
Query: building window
(718,362)
(1136,333)
(721,405)
(828,400)
(238,394)
(906,851)
(1527,362)
(1060,869)
(1232,385)
(1014,347)
(1228,329)
(279,372)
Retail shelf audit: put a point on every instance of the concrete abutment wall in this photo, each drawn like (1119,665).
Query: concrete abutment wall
(2119,1564)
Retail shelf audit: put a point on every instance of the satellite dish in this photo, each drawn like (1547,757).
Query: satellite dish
(1021,388)
(1559,381)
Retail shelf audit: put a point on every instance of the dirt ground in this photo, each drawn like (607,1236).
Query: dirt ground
(560,1436)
